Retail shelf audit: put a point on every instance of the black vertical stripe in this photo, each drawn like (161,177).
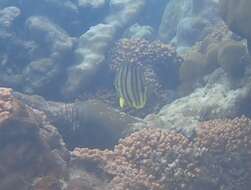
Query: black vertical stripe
(125,86)
(121,81)
(136,83)
(132,84)
(118,82)
(141,85)
(129,86)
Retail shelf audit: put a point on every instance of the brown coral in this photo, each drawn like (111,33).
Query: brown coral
(225,155)
(148,159)
(218,158)
(141,51)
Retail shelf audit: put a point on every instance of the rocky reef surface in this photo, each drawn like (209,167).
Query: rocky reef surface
(61,127)
(34,156)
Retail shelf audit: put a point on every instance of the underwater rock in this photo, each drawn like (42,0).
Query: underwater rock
(30,146)
(64,12)
(46,32)
(94,43)
(89,123)
(10,67)
(91,3)
(237,16)
(42,72)
(90,55)
(39,75)
(8,15)
(152,14)
(191,71)
(233,57)
(138,31)
(191,30)
(175,13)
(215,100)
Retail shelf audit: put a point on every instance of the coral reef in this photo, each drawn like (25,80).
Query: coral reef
(94,43)
(33,154)
(161,58)
(225,154)
(71,49)
(217,158)
(30,146)
(79,122)
(217,99)
(160,63)
(148,159)
(220,48)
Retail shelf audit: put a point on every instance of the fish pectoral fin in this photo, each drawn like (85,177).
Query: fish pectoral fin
(121,102)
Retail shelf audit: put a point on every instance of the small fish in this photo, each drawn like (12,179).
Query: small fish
(130,86)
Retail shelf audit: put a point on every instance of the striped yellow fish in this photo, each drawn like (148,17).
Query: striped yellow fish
(130,86)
